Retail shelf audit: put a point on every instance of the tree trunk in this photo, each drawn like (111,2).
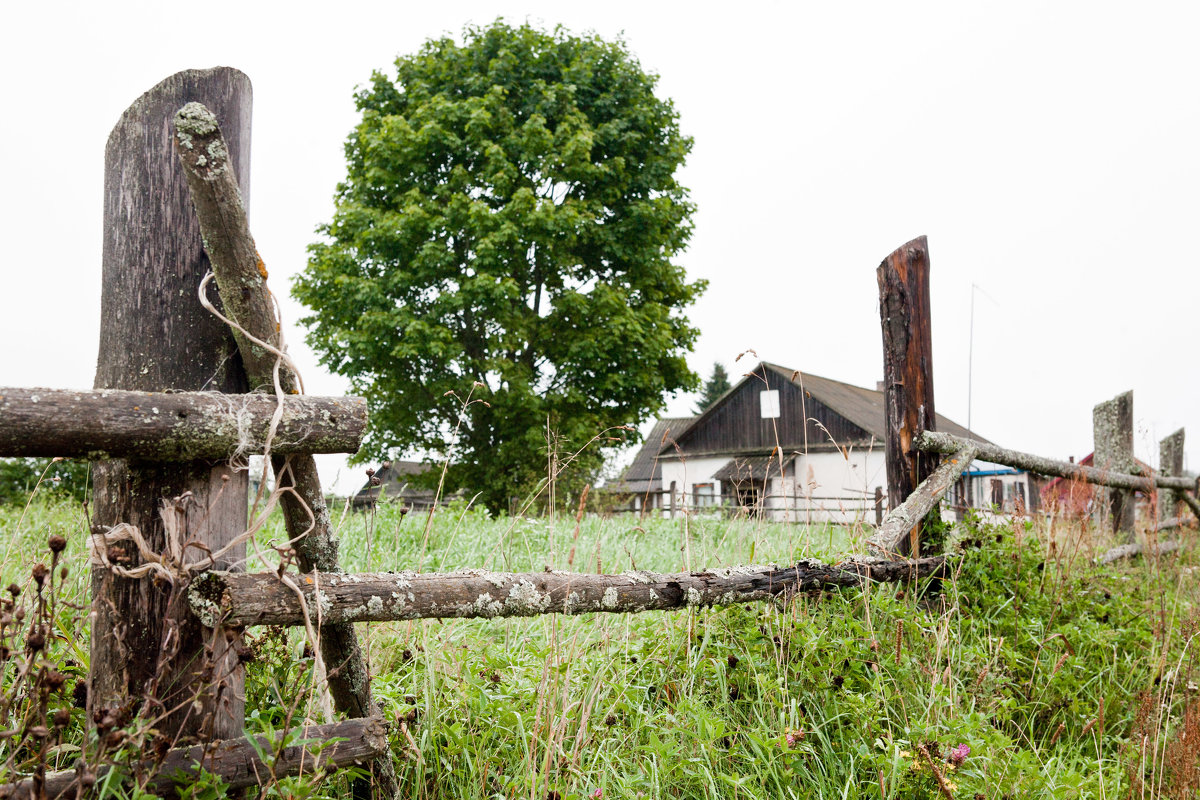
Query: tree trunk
(904,311)
(155,336)
(181,426)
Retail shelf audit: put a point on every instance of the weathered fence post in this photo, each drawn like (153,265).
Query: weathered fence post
(904,312)
(155,336)
(1170,462)
(1112,432)
(878,506)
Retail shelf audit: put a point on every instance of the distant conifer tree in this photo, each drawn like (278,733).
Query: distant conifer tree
(714,387)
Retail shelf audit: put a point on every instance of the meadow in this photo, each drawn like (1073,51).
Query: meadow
(1030,672)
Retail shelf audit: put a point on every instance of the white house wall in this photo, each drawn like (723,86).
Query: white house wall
(831,488)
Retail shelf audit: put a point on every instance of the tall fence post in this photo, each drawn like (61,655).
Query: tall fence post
(1112,432)
(155,336)
(904,312)
(1170,462)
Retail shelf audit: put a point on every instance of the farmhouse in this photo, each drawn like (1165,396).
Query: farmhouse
(397,481)
(791,446)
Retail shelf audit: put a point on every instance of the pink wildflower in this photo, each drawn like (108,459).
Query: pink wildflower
(959,754)
(598,793)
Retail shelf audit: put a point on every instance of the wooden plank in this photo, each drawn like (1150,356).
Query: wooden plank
(154,336)
(904,311)
(237,761)
(1112,431)
(242,276)
(892,535)
(178,426)
(239,600)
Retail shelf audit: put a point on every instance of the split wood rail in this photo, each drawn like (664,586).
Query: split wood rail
(189,380)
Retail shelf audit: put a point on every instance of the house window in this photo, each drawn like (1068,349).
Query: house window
(997,493)
(1016,496)
(704,495)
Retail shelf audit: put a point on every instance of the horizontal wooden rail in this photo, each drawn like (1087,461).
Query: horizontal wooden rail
(239,599)
(237,761)
(1134,549)
(176,426)
(937,442)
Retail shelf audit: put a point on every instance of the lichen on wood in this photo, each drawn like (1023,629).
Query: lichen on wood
(172,426)
(263,599)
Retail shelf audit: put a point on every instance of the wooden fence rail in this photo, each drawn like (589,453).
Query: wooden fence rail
(178,426)
(239,599)
(239,762)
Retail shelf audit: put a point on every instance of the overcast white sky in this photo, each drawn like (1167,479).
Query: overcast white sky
(1050,151)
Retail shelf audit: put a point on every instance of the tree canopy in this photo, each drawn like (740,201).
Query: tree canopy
(506,233)
(717,385)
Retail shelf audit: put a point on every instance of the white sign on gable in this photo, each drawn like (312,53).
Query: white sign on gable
(768,403)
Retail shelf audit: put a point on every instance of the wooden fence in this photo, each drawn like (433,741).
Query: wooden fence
(917,482)
(173,402)
(189,378)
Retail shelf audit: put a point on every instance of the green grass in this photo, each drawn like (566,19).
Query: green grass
(1064,679)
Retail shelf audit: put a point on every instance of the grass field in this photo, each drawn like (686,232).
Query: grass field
(1032,673)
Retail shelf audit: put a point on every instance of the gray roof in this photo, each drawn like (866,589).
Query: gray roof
(746,468)
(645,473)
(396,478)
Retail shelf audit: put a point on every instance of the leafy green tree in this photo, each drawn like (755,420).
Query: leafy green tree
(505,233)
(717,385)
(19,477)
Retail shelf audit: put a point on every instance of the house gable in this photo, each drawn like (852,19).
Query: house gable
(734,424)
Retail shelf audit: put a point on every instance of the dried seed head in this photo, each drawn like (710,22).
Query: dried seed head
(370,472)
(57,543)
(87,780)
(40,571)
(62,718)
(115,738)
(19,614)
(55,680)
(39,731)
(35,641)
(63,573)
(13,589)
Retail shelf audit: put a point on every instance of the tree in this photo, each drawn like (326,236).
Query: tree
(714,387)
(498,277)
(20,476)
